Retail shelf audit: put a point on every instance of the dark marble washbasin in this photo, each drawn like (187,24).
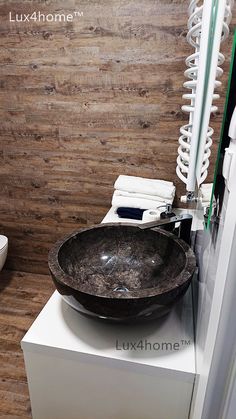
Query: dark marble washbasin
(121,272)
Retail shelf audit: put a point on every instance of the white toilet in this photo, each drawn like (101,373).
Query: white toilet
(3,250)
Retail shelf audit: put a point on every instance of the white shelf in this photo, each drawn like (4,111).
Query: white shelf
(198,219)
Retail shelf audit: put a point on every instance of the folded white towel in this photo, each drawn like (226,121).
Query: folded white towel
(125,201)
(143,196)
(161,188)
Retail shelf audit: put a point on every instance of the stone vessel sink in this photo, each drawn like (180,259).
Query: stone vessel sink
(120,272)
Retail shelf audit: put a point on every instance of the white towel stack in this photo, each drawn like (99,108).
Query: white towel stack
(137,192)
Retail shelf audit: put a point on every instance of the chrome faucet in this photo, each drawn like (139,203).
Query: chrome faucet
(183,231)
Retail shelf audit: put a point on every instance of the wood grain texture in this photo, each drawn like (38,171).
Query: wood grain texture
(82,102)
(22,296)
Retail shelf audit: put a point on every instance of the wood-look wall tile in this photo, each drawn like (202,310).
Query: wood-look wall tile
(82,102)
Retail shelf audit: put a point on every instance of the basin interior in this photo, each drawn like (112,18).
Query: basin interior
(121,259)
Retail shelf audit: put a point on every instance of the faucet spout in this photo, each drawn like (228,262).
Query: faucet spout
(185,221)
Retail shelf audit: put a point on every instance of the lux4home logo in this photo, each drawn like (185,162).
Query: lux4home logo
(42,17)
(145,345)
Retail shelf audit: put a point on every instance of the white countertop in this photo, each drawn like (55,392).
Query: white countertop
(62,330)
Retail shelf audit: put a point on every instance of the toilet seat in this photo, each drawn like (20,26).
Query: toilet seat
(3,249)
(3,243)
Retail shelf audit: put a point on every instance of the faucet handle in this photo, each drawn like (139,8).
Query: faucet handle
(168,213)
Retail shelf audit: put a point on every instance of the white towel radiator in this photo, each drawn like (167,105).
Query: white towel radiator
(207,28)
